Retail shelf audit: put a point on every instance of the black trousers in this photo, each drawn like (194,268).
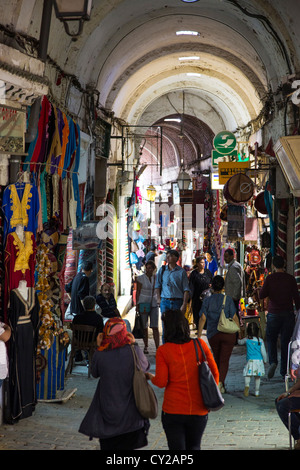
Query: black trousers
(184,432)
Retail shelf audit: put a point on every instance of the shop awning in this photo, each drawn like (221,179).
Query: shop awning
(287,150)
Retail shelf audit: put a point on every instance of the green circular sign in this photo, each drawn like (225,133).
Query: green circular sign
(225,142)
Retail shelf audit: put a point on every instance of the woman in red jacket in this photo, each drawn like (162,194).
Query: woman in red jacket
(184,415)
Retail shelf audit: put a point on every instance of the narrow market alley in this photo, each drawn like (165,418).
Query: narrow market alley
(248,424)
(149,161)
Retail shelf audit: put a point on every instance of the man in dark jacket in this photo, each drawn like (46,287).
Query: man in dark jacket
(79,288)
(282,291)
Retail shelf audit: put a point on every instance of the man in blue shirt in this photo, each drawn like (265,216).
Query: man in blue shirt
(172,285)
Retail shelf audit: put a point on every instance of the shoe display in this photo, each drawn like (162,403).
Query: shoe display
(271,370)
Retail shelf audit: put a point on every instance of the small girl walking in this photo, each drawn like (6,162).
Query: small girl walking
(256,357)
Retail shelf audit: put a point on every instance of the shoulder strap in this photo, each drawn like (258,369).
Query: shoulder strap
(196,341)
(135,358)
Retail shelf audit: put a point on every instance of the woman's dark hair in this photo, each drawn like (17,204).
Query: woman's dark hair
(217,283)
(89,302)
(87,266)
(253,330)
(176,327)
(197,260)
(278,262)
(151,263)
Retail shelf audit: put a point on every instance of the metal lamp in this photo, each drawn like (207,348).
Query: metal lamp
(184,180)
(151,193)
(73,10)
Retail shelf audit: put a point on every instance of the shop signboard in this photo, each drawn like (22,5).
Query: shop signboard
(215,181)
(217,157)
(225,142)
(12,130)
(102,132)
(228,169)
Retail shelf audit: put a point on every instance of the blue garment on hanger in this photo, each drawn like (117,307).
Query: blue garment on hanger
(269,205)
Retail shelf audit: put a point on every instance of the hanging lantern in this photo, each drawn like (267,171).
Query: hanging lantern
(184,180)
(70,10)
(151,193)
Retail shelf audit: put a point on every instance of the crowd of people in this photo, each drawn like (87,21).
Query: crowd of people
(112,416)
(168,291)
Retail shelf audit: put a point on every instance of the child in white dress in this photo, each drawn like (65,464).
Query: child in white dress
(256,357)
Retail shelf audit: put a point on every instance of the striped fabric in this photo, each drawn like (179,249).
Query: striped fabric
(282,228)
(53,376)
(297,241)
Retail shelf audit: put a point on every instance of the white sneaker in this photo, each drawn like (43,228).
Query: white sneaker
(256,394)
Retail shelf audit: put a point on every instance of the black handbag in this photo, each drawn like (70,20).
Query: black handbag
(138,330)
(212,397)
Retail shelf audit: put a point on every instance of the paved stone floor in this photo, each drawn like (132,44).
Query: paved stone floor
(243,424)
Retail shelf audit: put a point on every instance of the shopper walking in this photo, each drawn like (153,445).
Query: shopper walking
(172,286)
(235,279)
(184,415)
(146,303)
(282,292)
(200,280)
(221,343)
(211,263)
(113,416)
(256,357)
(78,289)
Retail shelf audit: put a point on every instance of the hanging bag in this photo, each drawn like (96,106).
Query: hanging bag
(138,330)
(144,395)
(226,325)
(211,395)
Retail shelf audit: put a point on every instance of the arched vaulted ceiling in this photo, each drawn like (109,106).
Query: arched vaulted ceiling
(130,52)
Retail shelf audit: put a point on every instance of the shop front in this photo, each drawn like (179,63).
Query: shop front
(43,201)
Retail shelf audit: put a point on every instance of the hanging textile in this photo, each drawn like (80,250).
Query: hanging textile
(235,219)
(23,317)
(297,241)
(269,206)
(19,261)
(282,227)
(217,225)
(37,147)
(52,371)
(2,269)
(251,230)
(20,207)
(89,255)
(54,156)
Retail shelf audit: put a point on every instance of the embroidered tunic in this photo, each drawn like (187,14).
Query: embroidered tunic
(19,259)
(20,207)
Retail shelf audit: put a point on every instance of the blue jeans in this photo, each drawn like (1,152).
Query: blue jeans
(184,432)
(167,304)
(283,325)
